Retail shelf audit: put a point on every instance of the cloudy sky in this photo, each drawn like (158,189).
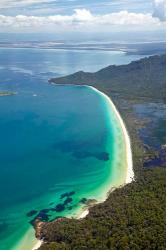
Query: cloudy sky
(82,15)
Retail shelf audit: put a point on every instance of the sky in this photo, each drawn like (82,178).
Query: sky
(93,16)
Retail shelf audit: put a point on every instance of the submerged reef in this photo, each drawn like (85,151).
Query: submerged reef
(45,214)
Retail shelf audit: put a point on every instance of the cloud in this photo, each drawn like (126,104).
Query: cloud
(160,9)
(21,3)
(83,19)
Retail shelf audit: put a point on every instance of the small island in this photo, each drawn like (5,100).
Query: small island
(7,93)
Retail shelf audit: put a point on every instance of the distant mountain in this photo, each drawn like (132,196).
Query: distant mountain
(144,78)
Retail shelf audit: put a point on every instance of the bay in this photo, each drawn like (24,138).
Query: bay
(56,142)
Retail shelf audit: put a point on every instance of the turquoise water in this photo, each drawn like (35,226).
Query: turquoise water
(55,140)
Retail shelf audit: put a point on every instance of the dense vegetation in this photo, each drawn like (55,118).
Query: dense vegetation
(145,78)
(134,216)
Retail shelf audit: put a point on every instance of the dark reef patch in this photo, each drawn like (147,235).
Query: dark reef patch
(80,149)
(83,200)
(40,216)
(59,208)
(31,213)
(43,214)
(72,193)
(51,203)
(67,194)
(45,211)
(68,201)
(102,156)
(69,146)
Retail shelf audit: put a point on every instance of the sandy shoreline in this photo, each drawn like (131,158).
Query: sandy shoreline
(37,245)
(129,172)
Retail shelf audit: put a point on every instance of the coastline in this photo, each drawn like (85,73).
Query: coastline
(129,163)
(129,171)
(37,245)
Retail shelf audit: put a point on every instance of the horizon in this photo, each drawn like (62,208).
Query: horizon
(124,37)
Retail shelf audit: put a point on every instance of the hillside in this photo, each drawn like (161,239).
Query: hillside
(140,78)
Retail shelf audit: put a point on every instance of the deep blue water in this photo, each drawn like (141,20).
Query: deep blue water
(53,139)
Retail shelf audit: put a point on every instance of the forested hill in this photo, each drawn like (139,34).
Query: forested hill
(139,78)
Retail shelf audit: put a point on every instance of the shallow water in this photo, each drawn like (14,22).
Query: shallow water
(54,139)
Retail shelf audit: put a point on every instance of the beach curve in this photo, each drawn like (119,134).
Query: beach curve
(129,172)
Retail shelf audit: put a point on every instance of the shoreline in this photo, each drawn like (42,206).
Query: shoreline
(37,245)
(129,160)
(129,171)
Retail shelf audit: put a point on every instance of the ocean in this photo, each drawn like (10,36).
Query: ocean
(58,145)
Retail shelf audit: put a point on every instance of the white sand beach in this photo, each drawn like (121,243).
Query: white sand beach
(129,170)
(37,245)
